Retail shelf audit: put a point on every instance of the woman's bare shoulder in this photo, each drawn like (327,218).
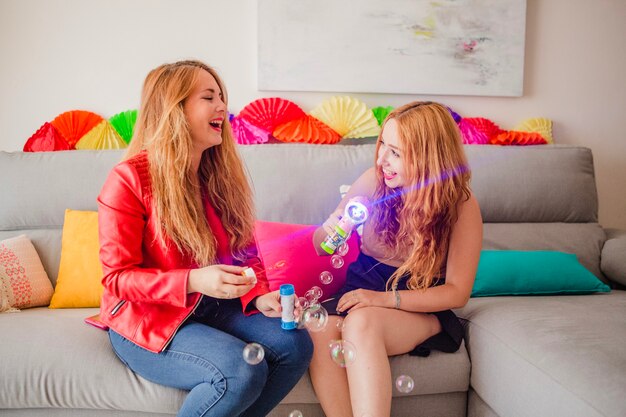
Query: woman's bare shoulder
(365,185)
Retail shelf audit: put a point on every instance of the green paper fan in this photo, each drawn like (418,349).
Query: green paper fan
(381,113)
(124,123)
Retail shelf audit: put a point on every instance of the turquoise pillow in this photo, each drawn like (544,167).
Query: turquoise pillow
(504,272)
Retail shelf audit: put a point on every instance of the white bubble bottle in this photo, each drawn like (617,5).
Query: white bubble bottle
(287,302)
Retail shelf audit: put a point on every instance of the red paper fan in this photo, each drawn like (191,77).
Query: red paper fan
(72,125)
(511,137)
(306,129)
(486,126)
(46,138)
(268,113)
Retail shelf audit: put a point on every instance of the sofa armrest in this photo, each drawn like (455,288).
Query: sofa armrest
(613,259)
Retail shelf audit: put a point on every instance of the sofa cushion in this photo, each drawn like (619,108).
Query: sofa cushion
(290,258)
(546,183)
(77,366)
(56,360)
(23,280)
(80,272)
(533,273)
(549,356)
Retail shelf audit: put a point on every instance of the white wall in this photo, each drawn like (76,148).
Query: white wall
(59,55)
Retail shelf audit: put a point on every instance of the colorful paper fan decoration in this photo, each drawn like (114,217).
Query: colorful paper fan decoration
(246,133)
(306,129)
(511,137)
(347,116)
(46,138)
(471,135)
(72,125)
(124,124)
(484,126)
(381,113)
(539,125)
(267,113)
(103,136)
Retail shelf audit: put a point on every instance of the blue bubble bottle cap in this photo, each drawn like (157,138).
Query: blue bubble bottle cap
(287,289)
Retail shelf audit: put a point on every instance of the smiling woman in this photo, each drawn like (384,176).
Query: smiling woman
(176,235)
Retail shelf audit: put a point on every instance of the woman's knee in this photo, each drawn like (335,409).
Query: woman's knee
(246,378)
(360,323)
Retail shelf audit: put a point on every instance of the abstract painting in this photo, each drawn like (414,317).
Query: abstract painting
(452,47)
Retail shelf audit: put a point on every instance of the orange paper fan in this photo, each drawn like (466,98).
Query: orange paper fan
(46,138)
(306,129)
(72,125)
(512,137)
(268,113)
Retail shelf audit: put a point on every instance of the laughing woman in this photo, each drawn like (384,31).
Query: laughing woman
(176,232)
(419,254)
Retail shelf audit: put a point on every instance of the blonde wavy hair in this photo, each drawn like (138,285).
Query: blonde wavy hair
(415,222)
(162,132)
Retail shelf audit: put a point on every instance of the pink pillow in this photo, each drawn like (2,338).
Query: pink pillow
(290,258)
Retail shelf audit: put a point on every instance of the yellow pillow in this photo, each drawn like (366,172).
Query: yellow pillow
(80,273)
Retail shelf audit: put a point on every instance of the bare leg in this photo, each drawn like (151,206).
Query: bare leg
(378,333)
(329,379)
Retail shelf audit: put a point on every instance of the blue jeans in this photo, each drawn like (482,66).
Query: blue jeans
(205,357)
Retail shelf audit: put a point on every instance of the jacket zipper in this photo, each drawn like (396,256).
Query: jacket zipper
(117,307)
(167,342)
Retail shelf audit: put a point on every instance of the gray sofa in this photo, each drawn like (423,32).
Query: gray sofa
(523,356)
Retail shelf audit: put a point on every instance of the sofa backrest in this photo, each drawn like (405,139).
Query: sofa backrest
(537,197)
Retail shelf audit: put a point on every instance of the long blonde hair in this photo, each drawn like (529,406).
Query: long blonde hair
(162,132)
(415,222)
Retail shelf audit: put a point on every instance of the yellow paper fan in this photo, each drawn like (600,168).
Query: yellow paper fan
(103,136)
(539,125)
(347,116)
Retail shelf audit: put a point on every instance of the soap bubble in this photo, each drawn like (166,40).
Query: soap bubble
(253,353)
(336,261)
(340,324)
(326,277)
(315,318)
(314,294)
(304,303)
(342,352)
(342,250)
(296,413)
(405,383)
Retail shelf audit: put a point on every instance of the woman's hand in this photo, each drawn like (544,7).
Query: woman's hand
(359,298)
(219,281)
(269,305)
(331,222)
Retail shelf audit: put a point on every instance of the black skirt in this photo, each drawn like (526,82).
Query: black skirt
(367,273)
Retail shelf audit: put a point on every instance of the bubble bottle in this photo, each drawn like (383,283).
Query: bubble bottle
(287,302)
(354,214)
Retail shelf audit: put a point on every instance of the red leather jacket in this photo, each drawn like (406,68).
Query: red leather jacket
(145,285)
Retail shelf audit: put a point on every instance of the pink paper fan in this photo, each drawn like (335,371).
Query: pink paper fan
(246,133)
(268,113)
(306,129)
(511,137)
(46,138)
(471,135)
(485,126)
